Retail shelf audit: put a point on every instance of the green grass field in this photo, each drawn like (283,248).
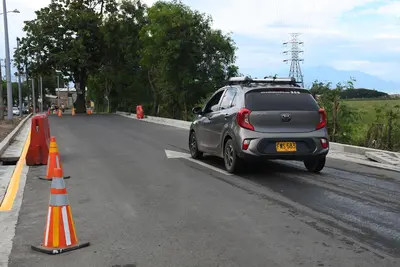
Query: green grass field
(367,111)
(367,108)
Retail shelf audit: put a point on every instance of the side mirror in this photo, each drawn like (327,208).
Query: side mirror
(196,110)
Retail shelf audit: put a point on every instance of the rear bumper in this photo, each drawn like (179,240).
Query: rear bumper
(282,156)
(263,146)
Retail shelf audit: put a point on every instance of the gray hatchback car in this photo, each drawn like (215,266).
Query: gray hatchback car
(270,118)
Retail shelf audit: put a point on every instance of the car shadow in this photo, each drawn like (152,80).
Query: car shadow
(260,167)
(269,173)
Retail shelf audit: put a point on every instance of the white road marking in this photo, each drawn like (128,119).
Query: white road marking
(176,154)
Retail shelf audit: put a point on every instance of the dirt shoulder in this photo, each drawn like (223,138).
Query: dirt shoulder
(6,127)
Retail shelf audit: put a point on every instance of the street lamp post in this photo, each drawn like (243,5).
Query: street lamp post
(41,92)
(12,11)
(58,87)
(8,63)
(33,95)
(19,86)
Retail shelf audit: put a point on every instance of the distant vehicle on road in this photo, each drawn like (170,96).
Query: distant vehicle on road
(270,118)
(16,111)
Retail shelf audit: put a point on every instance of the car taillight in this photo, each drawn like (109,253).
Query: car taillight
(246,144)
(324,143)
(243,119)
(322,119)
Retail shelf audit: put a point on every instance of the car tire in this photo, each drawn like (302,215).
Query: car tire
(315,165)
(233,164)
(193,148)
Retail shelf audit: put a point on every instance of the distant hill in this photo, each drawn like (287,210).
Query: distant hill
(358,93)
(362,93)
(363,80)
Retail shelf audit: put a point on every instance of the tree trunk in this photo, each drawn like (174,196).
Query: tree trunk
(335,112)
(155,98)
(80,103)
(107,94)
(185,111)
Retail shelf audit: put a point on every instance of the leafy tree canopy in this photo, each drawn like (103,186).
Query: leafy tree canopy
(165,57)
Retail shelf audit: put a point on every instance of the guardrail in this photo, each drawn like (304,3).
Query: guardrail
(333,146)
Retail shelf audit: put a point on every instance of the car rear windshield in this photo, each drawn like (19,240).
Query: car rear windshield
(280,99)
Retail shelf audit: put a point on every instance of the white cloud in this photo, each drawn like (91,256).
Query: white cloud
(392,8)
(260,17)
(335,33)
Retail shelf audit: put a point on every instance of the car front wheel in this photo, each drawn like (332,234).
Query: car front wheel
(233,163)
(315,164)
(194,150)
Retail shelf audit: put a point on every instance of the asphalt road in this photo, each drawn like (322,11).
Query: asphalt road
(137,207)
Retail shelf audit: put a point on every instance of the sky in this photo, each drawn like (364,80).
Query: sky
(361,35)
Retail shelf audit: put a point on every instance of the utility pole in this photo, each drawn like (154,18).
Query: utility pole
(58,89)
(20,95)
(1,93)
(8,65)
(19,86)
(27,85)
(41,92)
(68,95)
(33,96)
(294,51)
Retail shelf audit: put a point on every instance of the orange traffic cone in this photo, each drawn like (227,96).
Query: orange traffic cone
(73,112)
(53,162)
(59,233)
(59,113)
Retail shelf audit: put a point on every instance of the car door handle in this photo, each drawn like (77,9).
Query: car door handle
(226,115)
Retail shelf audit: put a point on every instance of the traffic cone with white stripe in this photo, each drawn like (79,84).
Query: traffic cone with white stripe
(59,233)
(53,161)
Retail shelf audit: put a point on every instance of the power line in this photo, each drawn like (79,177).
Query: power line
(294,52)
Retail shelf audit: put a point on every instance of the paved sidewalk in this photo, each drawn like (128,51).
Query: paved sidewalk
(9,218)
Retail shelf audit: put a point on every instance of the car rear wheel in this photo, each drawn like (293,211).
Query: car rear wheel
(233,163)
(194,150)
(315,164)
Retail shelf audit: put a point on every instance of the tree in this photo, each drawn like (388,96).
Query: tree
(340,116)
(183,56)
(120,81)
(66,36)
(177,59)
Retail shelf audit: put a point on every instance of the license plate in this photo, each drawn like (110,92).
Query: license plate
(286,146)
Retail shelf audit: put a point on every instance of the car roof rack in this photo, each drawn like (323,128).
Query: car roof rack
(266,80)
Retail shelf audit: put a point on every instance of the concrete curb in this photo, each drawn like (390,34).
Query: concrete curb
(6,142)
(359,149)
(373,164)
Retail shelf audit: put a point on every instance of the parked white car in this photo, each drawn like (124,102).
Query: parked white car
(16,111)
